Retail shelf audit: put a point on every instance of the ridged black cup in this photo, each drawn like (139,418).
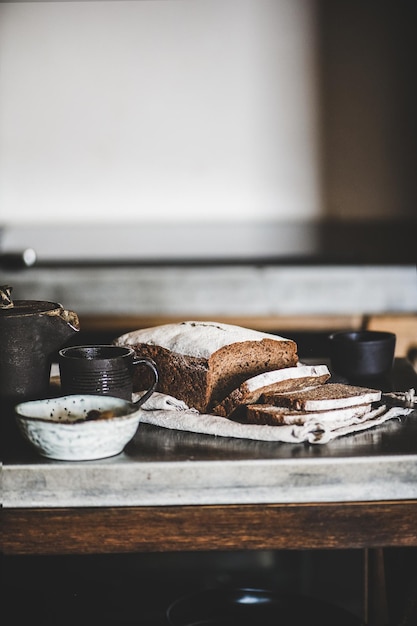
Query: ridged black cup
(100,370)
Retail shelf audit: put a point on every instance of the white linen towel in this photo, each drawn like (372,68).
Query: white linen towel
(168,412)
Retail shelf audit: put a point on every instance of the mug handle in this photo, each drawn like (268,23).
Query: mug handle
(152,365)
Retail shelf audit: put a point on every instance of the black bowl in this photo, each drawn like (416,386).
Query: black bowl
(363,354)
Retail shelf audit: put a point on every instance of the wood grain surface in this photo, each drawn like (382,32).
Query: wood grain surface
(231,527)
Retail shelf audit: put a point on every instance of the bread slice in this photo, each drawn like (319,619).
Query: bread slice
(277,381)
(202,362)
(278,416)
(323,397)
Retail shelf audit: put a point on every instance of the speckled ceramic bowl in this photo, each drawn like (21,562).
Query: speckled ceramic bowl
(68,429)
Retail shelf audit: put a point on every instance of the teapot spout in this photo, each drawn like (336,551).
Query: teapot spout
(67,324)
(72,320)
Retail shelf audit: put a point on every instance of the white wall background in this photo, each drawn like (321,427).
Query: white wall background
(158,110)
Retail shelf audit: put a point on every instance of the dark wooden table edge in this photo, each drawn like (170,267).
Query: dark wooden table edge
(60,531)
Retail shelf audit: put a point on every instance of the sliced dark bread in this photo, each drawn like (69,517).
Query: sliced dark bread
(278,416)
(277,381)
(323,397)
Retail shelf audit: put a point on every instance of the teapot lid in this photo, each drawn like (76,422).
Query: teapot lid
(9,308)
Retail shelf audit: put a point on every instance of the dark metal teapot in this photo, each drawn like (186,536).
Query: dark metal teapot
(31,332)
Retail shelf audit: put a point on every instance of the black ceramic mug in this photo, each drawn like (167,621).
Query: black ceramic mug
(362,355)
(102,370)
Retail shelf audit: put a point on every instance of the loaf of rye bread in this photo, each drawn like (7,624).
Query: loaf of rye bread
(278,416)
(202,362)
(323,397)
(277,381)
